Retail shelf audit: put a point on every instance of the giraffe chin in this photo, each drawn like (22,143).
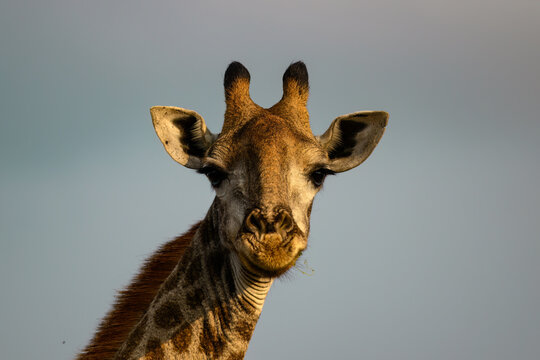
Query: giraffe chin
(270,256)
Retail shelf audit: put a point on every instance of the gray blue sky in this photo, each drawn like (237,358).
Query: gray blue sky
(428,250)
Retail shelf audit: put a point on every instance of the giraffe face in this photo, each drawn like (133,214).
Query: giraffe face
(265,175)
(266,166)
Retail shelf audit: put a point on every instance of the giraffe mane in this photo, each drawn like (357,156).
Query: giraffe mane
(132,302)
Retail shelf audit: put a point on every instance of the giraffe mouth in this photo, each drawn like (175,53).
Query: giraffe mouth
(270,255)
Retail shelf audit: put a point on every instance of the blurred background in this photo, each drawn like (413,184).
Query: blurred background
(428,250)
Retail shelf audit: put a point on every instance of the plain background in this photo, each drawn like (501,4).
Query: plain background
(429,250)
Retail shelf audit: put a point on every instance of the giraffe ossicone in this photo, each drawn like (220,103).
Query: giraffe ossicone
(200,295)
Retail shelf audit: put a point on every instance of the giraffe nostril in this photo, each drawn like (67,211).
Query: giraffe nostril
(283,221)
(255,222)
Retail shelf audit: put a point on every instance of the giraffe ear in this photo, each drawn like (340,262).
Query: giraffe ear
(351,138)
(183,134)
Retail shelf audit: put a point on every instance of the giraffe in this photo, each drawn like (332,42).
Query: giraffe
(200,295)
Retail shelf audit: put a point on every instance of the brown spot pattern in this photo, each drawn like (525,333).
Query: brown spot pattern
(182,338)
(194,297)
(168,315)
(154,350)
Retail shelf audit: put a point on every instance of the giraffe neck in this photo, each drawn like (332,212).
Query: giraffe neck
(251,288)
(207,308)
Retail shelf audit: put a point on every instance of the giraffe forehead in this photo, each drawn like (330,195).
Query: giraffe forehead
(268,142)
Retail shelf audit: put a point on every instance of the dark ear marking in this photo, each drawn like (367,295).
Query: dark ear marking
(297,72)
(351,138)
(192,140)
(234,72)
(348,130)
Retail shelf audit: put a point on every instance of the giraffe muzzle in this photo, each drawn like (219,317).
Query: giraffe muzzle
(270,245)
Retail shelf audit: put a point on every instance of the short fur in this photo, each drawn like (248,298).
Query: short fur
(297,72)
(132,302)
(234,72)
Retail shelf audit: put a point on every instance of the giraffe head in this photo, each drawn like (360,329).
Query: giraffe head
(266,166)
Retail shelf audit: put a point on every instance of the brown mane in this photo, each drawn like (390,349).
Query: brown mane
(132,302)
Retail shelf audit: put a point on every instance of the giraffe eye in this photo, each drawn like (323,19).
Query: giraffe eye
(317,177)
(214,175)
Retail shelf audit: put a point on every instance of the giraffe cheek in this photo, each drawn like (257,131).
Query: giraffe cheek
(233,221)
(301,211)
